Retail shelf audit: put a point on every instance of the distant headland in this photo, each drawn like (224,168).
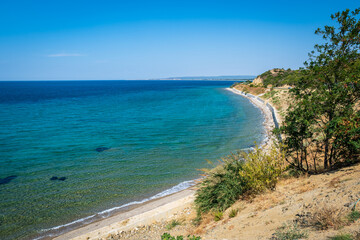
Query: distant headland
(211,78)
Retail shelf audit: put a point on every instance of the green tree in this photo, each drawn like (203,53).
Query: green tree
(318,124)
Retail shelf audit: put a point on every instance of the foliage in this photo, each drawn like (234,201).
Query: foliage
(269,94)
(218,216)
(353,216)
(238,174)
(173,224)
(342,237)
(233,213)
(262,170)
(323,123)
(279,77)
(222,186)
(289,232)
(196,221)
(167,236)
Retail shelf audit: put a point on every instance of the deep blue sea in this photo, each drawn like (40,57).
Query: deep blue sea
(108,144)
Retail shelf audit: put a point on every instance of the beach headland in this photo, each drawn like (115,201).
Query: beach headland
(161,209)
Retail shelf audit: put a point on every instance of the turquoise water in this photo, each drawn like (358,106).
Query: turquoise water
(158,133)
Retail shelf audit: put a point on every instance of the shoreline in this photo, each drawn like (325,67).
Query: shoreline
(157,209)
(270,118)
(147,213)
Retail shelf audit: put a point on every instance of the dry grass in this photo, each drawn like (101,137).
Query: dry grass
(334,183)
(266,201)
(125,222)
(327,217)
(306,187)
(251,90)
(206,219)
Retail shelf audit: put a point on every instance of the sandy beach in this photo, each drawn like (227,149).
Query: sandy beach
(156,210)
(145,214)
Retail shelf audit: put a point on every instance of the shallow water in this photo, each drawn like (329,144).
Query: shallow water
(158,133)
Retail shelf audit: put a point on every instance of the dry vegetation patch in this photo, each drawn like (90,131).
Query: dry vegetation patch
(250,89)
(327,217)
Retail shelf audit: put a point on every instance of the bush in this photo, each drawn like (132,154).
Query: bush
(218,216)
(342,237)
(327,217)
(222,185)
(289,232)
(261,171)
(238,174)
(353,216)
(233,213)
(167,236)
(173,224)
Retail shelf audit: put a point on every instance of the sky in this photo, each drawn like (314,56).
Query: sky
(133,39)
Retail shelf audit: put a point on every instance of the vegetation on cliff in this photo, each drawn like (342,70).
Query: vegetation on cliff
(322,127)
(239,174)
(279,77)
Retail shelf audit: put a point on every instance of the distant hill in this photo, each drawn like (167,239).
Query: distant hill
(214,78)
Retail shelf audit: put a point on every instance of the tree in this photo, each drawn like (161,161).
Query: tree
(318,124)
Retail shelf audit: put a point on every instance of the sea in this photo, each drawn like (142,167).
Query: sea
(72,152)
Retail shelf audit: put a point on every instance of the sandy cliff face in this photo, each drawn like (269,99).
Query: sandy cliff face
(258,81)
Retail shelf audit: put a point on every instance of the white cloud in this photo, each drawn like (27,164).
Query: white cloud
(66,55)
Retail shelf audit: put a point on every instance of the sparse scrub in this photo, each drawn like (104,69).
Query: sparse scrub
(173,224)
(327,217)
(222,185)
(353,216)
(233,213)
(218,216)
(196,221)
(269,94)
(167,236)
(289,232)
(342,237)
(240,173)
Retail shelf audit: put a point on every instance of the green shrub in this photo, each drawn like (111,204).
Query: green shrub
(173,224)
(233,213)
(353,216)
(262,170)
(289,232)
(342,237)
(222,185)
(239,173)
(280,77)
(218,216)
(167,236)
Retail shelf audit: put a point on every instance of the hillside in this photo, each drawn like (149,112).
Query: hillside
(316,206)
(277,77)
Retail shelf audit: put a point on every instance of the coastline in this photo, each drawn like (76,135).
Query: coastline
(271,118)
(152,211)
(162,208)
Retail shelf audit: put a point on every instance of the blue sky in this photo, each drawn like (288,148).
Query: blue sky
(74,40)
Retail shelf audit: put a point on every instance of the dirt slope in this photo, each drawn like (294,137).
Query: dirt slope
(295,201)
